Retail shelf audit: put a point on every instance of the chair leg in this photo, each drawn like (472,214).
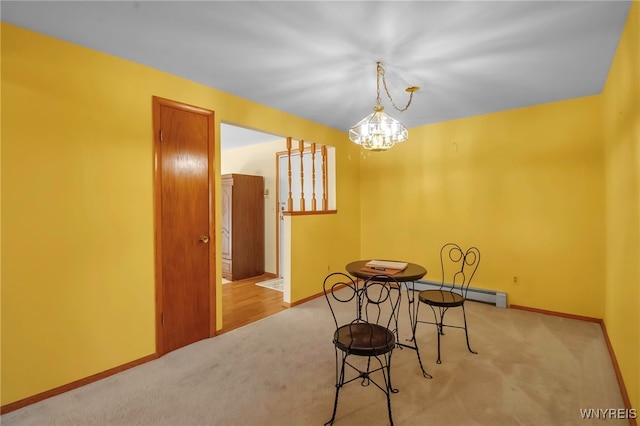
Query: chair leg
(441,324)
(438,361)
(335,408)
(389,407)
(424,372)
(390,389)
(415,342)
(438,328)
(339,383)
(464,315)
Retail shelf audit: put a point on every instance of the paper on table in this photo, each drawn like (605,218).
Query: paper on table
(386,264)
(380,271)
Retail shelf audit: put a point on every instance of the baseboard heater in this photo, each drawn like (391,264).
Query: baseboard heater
(497,298)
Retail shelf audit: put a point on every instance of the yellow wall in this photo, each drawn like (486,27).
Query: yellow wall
(524,186)
(621,117)
(77,206)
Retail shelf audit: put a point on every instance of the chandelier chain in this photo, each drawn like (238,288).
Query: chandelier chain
(380,71)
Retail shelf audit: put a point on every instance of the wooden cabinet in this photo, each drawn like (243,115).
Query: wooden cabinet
(242,226)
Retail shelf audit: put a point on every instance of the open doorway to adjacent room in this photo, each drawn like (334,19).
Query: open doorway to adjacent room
(250,152)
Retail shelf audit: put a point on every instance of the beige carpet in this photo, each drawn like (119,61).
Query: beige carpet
(531,369)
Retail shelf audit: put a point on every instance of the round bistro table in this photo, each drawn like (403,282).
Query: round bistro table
(412,273)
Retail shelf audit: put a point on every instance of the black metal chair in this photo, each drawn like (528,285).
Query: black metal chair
(458,268)
(366,320)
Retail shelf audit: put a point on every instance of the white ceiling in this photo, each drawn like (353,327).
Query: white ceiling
(317,59)
(236,137)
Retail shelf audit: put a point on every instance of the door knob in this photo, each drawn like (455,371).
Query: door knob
(204,239)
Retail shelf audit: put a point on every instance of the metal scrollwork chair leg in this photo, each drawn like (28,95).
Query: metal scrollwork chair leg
(414,326)
(464,315)
(339,383)
(439,331)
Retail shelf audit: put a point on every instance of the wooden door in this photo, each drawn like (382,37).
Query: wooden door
(185,284)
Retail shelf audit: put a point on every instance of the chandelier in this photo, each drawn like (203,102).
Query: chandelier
(378,131)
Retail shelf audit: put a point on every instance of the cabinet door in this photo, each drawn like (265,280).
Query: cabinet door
(227,207)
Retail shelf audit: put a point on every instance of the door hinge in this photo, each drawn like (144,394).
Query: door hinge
(161,138)
(162,318)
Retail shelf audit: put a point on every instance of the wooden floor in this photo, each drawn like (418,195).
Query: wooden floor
(244,302)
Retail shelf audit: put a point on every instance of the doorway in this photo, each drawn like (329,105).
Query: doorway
(184,224)
(247,151)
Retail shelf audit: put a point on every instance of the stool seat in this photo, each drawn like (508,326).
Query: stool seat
(444,298)
(364,339)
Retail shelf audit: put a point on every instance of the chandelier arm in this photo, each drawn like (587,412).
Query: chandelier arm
(384,81)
